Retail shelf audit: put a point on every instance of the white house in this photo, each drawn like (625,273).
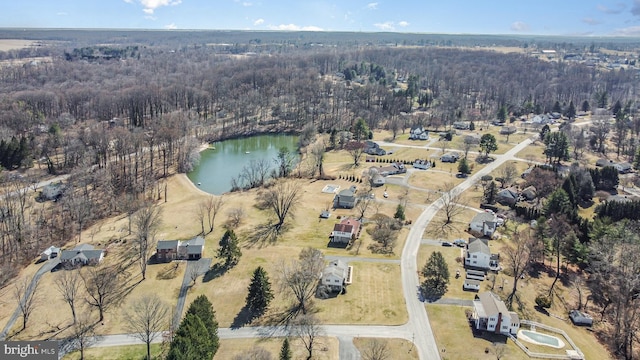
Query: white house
(484,224)
(50,253)
(168,250)
(346,198)
(418,133)
(449,157)
(336,275)
(490,314)
(345,231)
(422,164)
(479,256)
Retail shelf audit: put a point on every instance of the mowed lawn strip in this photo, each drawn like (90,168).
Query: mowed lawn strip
(396,348)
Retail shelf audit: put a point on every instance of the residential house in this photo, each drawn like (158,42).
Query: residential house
(373,148)
(168,250)
(336,275)
(377,180)
(325,214)
(491,314)
(472,139)
(346,198)
(484,224)
(52,191)
(50,253)
(450,157)
(422,164)
(604,162)
(83,254)
(348,229)
(507,197)
(461,125)
(529,193)
(479,256)
(508,130)
(418,133)
(623,168)
(393,169)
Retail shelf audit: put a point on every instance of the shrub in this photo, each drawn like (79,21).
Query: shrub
(543,301)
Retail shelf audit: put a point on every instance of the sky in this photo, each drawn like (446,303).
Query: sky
(537,17)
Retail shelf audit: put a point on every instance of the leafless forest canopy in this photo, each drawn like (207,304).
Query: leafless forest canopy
(121,110)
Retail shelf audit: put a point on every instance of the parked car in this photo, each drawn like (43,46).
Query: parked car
(580,318)
(446,243)
(460,242)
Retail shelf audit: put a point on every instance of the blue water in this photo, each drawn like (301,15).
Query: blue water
(542,338)
(218,166)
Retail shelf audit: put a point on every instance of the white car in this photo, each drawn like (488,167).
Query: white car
(385,194)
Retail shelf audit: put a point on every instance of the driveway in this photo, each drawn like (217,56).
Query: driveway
(202,266)
(46,267)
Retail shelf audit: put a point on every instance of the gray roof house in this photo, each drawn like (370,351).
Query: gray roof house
(83,254)
(168,250)
(346,198)
(491,314)
(507,197)
(484,224)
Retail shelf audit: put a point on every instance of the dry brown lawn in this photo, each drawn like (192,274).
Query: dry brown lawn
(14,44)
(326,348)
(397,348)
(129,352)
(374,297)
(534,152)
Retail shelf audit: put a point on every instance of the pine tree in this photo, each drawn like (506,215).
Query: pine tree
(463,166)
(229,250)
(285,350)
(399,213)
(203,309)
(260,294)
(436,274)
(192,340)
(571,111)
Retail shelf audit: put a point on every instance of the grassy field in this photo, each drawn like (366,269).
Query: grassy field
(396,348)
(130,352)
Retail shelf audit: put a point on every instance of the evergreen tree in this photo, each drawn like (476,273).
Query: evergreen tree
(260,294)
(490,193)
(360,130)
(472,126)
(463,166)
(544,131)
(571,111)
(192,340)
(636,160)
(436,274)
(556,107)
(616,108)
(585,106)
(285,351)
(488,144)
(502,114)
(558,203)
(229,250)
(557,147)
(203,309)
(570,187)
(399,213)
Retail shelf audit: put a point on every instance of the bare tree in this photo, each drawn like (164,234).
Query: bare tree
(146,318)
(517,259)
(234,217)
(376,349)
(257,353)
(308,330)
(282,199)
(68,285)
(147,222)
(355,149)
(362,205)
(26,295)
(103,287)
(82,333)
(499,350)
(451,203)
(469,142)
(195,270)
(213,205)
(300,277)
(507,174)
(317,157)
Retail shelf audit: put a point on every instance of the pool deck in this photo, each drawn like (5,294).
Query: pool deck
(522,335)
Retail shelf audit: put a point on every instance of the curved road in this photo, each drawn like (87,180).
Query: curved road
(417,329)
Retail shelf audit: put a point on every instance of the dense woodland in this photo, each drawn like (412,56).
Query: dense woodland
(120,118)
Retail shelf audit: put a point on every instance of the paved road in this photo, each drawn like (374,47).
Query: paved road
(347,259)
(46,267)
(202,266)
(347,350)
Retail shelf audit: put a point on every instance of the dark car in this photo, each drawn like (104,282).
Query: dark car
(460,242)
(446,243)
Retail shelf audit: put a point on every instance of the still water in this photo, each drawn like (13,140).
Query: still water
(219,165)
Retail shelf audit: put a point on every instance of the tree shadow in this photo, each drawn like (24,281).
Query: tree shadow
(264,234)
(216,271)
(244,317)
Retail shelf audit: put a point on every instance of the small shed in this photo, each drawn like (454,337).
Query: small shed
(50,253)
(471,285)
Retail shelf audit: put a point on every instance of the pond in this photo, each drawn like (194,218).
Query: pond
(224,160)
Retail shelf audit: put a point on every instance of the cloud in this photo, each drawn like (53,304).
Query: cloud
(403,24)
(247,4)
(171,26)
(628,31)
(385,26)
(519,26)
(591,21)
(62,13)
(151,5)
(372,6)
(294,27)
(635,9)
(258,22)
(617,9)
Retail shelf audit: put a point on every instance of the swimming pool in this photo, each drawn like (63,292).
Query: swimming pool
(540,339)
